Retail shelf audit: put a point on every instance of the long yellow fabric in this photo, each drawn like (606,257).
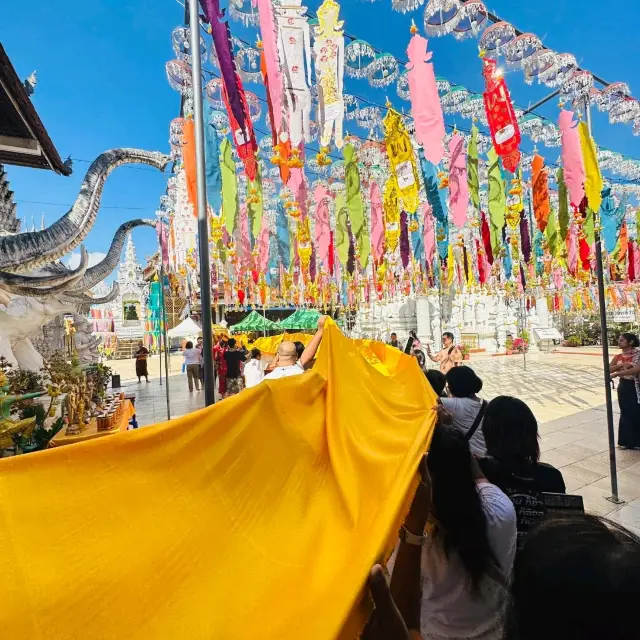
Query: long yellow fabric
(259,517)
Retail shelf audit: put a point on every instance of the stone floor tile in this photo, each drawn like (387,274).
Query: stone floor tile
(575,473)
(597,466)
(558,458)
(624,458)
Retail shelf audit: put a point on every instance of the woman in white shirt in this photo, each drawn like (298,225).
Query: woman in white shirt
(254,369)
(465,407)
(192,361)
(465,560)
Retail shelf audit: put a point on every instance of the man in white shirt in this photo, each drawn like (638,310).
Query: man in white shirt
(287,362)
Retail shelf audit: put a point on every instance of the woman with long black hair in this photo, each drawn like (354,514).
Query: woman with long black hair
(626,366)
(465,559)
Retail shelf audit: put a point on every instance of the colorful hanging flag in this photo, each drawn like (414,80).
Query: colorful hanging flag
(473,180)
(283,236)
(402,162)
(405,249)
(552,236)
(540,186)
(501,116)
(323,225)
(229,187)
(593,178)
(497,201)
(189,160)
(486,237)
(458,188)
(611,218)
(525,236)
(213,175)
(255,204)
(232,90)
(377,221)
(429,232)
(572,162)
(563,208)
(355,206)
(425,100)
(342,230)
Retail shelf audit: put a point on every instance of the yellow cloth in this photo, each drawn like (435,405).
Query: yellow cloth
(269,345)
(593,181)
(260,517)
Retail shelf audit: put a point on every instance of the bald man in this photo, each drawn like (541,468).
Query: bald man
(287,362)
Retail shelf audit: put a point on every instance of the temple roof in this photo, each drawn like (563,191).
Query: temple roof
(23,139)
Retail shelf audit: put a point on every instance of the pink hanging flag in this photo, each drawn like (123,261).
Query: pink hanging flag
(263,249)
(377,222)
(268,30)
(243,241)
(425,101)
(574,172)
(458,187)
(429,232)
(323,226)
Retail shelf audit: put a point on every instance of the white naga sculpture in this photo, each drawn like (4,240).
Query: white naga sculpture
(35,287)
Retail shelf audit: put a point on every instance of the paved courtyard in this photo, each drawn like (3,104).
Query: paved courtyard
(566,394)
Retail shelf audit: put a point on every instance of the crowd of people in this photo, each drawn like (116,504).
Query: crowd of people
(479,554)
(237,368)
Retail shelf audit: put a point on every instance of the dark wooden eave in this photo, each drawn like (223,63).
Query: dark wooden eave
(23,139)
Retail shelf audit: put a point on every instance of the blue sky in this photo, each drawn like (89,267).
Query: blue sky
(102,83)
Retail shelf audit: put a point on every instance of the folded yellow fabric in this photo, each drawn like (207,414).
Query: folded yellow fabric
(257,518)
(269,345)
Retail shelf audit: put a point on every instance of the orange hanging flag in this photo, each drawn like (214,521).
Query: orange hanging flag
(540,192)
(189,159)
(623,243)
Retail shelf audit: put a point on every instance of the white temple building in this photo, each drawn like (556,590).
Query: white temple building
(129,308)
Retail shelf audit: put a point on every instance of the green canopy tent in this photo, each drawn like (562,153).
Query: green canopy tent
(255,322)
(301,319)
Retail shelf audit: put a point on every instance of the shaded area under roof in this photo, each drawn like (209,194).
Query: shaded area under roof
(23,139)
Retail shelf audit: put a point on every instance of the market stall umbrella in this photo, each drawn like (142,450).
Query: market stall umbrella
(186,328)
(255,322)
(301,319)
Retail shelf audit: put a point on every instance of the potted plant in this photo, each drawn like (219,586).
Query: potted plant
(509,345)
(464,350)
(520,345)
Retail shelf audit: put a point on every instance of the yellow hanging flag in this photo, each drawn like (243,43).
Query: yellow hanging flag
(450,265)
(259,517)
(593,181)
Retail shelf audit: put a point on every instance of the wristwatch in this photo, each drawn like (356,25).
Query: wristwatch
(412,538)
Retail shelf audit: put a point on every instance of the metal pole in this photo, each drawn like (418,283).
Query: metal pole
(605,349)
(523,324)
(203,227)
(164,340)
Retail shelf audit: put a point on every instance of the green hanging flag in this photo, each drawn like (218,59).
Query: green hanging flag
(551,233)
(472,168)
(589,227)
(229,187)
(342,232)
(497,201)
(355,206)
(563,205)
(255,205)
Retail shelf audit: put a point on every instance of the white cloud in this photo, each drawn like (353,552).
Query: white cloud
(73,261)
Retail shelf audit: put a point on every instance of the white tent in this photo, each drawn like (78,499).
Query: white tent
(186,329)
